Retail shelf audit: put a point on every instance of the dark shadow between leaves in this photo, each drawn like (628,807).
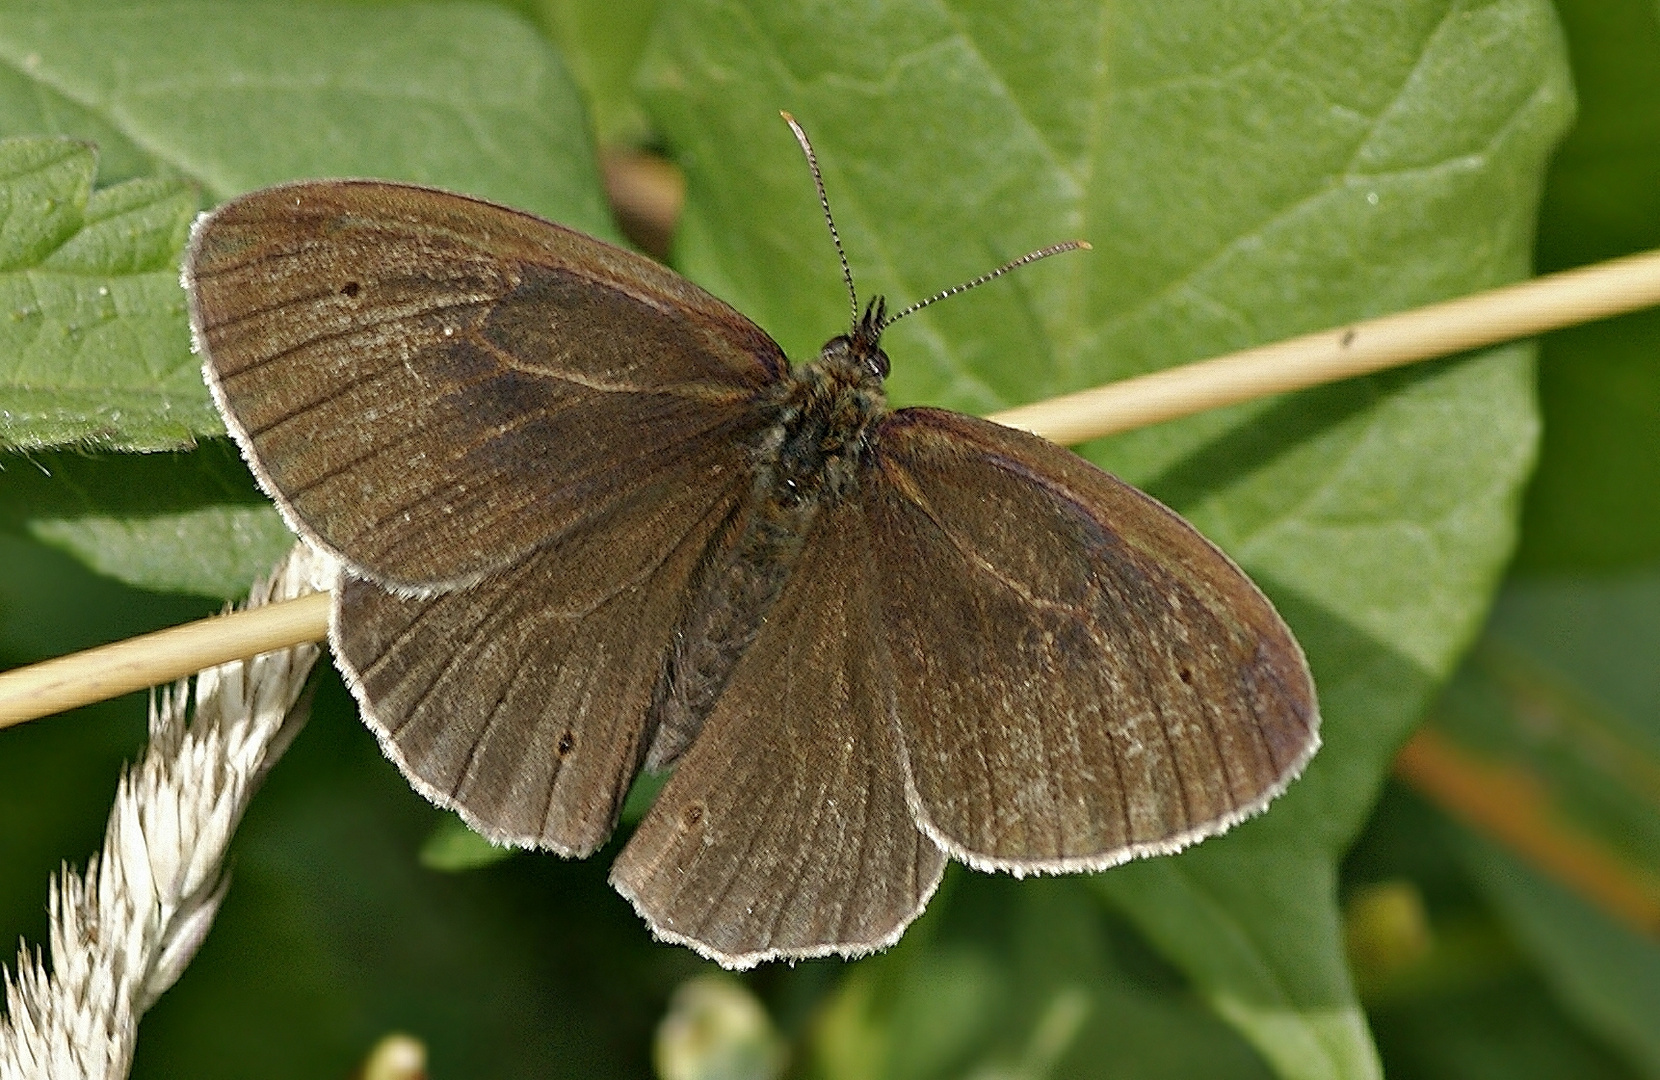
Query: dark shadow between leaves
(70,483)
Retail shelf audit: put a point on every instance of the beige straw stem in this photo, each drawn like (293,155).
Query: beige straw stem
(1471,322)
(112,670)
(1504,314)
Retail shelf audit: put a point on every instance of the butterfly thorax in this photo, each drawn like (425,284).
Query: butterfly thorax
(822,416)
(816,432)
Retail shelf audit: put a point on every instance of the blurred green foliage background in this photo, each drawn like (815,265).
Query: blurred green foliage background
(1244,170)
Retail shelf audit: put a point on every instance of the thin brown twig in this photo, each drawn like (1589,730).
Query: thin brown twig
(1509,805)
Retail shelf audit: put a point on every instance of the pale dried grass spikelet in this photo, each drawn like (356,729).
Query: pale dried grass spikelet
(123,933)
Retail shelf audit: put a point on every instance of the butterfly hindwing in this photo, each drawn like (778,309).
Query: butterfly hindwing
(521,702)
(784,830)
(1080,676)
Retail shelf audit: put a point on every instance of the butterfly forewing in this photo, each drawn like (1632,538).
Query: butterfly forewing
(784,830)
(432,386)
(1080,676)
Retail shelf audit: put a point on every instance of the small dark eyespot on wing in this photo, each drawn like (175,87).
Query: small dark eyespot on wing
(350,290)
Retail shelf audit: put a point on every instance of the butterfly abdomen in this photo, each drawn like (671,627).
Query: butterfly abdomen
(806,458)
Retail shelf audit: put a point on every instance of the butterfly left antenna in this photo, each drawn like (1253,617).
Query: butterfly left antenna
(824,201)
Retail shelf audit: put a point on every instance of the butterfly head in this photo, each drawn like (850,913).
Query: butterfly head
(861,347)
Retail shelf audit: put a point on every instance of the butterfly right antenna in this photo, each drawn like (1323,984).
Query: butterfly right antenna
(878,320)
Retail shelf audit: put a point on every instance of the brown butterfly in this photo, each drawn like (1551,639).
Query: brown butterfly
(592,521)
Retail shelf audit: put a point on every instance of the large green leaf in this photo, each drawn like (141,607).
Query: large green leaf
(1242,177)
(240,95)
(189,521)
(94,351)
(602,41)
(233,96)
